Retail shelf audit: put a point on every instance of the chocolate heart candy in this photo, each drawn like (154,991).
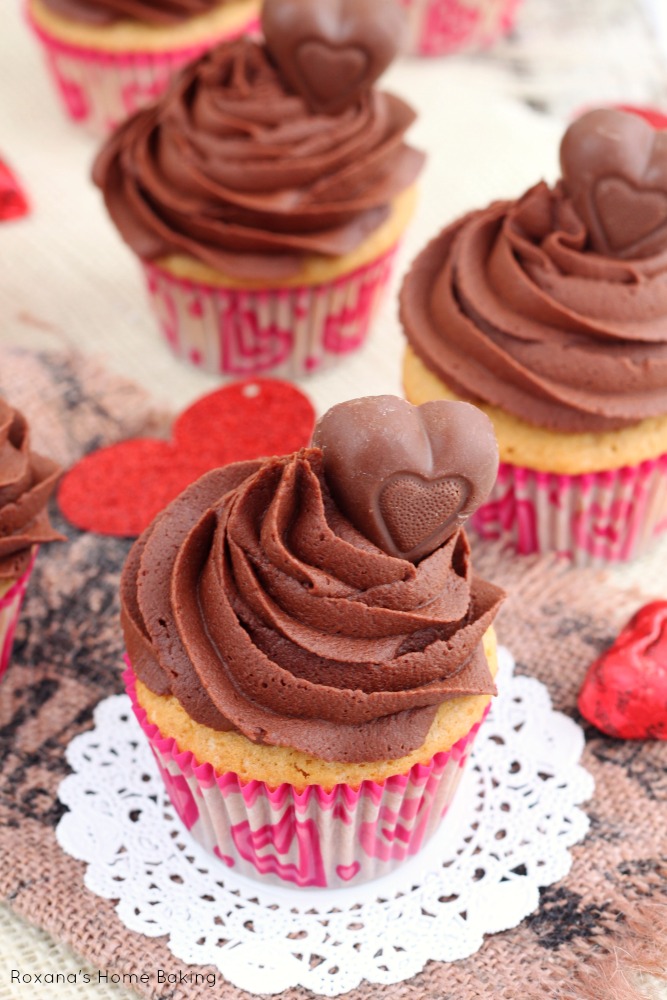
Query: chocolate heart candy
(407,476)
(625,690)
(614,167)
(330,51)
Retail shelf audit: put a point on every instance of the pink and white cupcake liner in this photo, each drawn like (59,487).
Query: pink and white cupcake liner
(100,89)
(284,332)
(594,518)
(311,838)
(442,27)
(10,608)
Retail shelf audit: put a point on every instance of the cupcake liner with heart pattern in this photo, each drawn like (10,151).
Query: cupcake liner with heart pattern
(99,89)
(441,27)
(283,332)
(10,609)
(594,518)
(310,838)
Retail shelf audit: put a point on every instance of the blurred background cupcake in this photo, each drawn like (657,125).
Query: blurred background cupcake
(550,312)
(267,190)
(443,27)
(108,58)
(27,480)
(311,653)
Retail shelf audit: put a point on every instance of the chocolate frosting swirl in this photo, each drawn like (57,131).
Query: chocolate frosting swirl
(255,602)
(232,168)
(27,480)
(511,306)
(103,12)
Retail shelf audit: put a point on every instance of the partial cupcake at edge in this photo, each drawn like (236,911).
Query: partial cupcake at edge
(266,192)
(446,27)
(550,313)
(27,480)
(311,653)
(107,58)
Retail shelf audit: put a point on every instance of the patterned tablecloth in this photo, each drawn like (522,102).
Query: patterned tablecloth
(491,125)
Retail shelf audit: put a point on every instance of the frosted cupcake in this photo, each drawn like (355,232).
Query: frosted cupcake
(443,27)
(550,312)
(267,191)
(311,653)
(110,57)
(27,480)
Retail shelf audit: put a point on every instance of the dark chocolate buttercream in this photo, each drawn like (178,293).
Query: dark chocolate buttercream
(513,306)
(27,480)
(232,168)
(257,604)
(104,12)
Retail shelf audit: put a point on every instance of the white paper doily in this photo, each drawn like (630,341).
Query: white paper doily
(508,833)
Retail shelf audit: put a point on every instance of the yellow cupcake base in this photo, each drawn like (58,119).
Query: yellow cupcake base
(315,269)
(277,765)
(128,36)
(522,444)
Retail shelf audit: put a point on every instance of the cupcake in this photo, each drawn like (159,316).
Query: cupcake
(110,57)
(443,27)
(550,312)
(310,653)
(266,191)
(27,480)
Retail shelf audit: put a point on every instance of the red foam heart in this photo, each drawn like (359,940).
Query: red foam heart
(119,490)
(625,690)
(13,202)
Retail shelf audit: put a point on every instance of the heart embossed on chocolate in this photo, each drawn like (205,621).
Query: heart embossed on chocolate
(407,476)
(614,167)
(628,215)
(331,73)
(330,51)
(416,509)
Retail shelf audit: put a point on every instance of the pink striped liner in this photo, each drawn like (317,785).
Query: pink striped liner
(10,608)
(442,27)
(595,519)
(99,89)
(284,332)
(309,838)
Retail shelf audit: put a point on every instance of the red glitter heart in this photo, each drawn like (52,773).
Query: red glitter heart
(119,490)
(625,690)
(13,202)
